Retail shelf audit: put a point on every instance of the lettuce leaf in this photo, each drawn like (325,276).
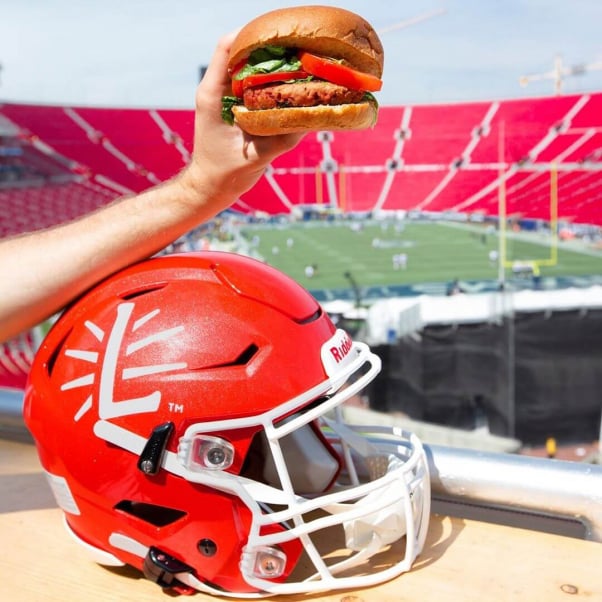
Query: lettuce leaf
(270,59)
(227,103)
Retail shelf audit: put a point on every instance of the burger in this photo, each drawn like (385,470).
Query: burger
(304,68)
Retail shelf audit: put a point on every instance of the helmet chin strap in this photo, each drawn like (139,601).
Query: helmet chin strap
(133,546)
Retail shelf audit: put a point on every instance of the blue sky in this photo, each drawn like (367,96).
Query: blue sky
(147,52)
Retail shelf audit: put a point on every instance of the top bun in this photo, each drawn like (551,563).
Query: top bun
(326,30)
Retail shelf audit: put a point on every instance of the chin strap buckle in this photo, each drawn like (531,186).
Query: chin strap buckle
(161,568)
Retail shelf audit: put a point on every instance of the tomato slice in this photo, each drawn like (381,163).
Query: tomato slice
(240,85)
(267,78)
(237,89)
(334,72)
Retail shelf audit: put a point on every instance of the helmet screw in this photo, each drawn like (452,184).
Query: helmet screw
(207,547)
(146,466)
(216,455)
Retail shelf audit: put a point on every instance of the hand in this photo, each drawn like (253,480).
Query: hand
(226,162)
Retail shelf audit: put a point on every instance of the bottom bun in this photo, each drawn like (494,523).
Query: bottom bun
(268,122)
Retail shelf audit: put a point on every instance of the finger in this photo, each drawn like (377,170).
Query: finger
(216,78)
(287,142)
(270,147)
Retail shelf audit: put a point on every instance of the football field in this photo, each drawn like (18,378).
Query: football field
(405,253)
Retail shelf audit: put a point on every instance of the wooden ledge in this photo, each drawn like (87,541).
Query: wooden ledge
(463,560)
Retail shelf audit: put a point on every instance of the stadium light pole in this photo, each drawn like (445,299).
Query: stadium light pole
(600,442)
(503,295)
(502,210)
(356,289)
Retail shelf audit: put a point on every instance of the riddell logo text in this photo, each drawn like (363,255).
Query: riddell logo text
(340,352)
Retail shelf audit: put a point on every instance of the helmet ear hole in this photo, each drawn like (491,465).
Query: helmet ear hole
(158,516)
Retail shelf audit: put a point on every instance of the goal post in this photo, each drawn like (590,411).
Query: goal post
(534,263)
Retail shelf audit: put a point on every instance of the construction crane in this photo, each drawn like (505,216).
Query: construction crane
(559,73)
(411,21)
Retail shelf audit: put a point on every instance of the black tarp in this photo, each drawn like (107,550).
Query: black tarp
(534,376)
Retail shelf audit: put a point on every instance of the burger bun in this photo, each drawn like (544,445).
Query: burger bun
(269,122)
(325,30)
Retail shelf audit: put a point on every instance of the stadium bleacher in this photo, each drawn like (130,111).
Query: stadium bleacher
(448,157)
(16,357)
(57,163)
(39,206)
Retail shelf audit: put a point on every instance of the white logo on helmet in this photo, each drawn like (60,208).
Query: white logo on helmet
(108,406)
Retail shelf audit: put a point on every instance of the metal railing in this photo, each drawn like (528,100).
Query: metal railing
(491,480)
(520,483)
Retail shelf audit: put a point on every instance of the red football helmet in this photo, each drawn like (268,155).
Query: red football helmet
(187,414)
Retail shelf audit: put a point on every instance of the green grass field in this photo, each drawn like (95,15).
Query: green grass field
(436,252)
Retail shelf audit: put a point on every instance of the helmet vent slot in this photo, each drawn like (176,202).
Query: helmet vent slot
(242,359)
(142,291)
(311,318)
(55,354)
(159,516)
(246,356)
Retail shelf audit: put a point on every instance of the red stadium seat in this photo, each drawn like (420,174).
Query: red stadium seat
(446,157)
(16,357)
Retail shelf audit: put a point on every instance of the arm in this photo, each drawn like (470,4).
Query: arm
(42,271)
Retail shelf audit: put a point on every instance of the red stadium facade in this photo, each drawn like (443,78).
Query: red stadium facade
(60,162)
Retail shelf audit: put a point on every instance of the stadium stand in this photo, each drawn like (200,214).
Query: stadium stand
(449,157)
(16,357)
(57,163)
(35,207)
